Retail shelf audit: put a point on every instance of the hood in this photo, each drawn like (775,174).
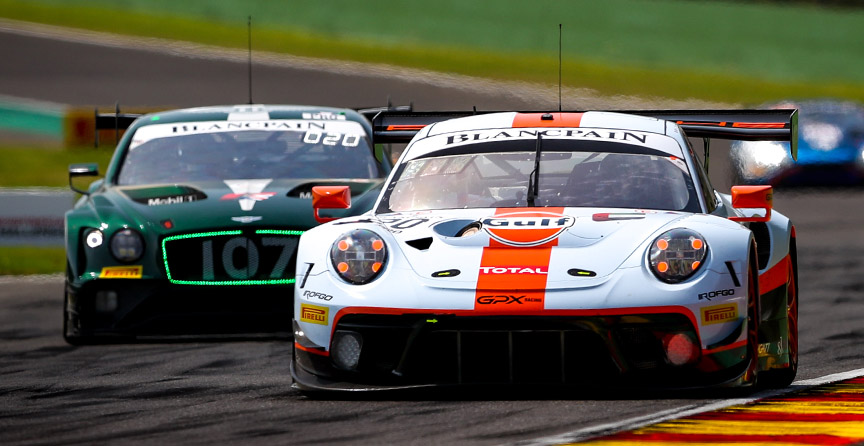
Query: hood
(558,243)
(199,205)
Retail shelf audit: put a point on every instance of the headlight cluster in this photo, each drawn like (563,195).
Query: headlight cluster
(359,256)
(677,254)
(127,245)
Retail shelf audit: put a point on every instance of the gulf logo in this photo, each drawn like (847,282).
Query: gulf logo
(526,228)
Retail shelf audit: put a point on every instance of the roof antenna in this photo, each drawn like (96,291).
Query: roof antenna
(249,27)
(559,68)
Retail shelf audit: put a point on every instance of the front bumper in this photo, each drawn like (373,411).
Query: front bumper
(422,350)
(119,308)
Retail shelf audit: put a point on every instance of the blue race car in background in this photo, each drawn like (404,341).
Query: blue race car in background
(830,149)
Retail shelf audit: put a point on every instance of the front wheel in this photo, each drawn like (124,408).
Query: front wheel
(70,332)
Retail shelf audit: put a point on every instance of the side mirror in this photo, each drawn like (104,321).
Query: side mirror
(752,197)
(330,197)
(82,170)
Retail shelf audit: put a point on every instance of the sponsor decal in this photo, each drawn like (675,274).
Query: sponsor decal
(719,313)
(590,134)
(712,294)
(122,272)
(324,116)
(159,201)
(316,295)
(516,262)
(248,192)
(446,273)
(225,126)
(246,219)
(513,270)
(163,195)
(313,314)
(246,121)
(526,228)
(506,299)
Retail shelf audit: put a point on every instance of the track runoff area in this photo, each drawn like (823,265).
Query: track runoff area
(820,411)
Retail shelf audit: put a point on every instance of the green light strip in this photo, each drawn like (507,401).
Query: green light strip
(200,234)
(230,282)
(279,232)
(234,282)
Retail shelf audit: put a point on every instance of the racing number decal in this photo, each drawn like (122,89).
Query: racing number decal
(234,247)
(513,279)
(331,139)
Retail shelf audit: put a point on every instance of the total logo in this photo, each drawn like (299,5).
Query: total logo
(527,228)
(514,270)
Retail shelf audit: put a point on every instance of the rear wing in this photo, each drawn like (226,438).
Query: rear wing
(117,121)
(747,125)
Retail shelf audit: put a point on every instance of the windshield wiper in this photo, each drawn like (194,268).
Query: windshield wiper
(534,176)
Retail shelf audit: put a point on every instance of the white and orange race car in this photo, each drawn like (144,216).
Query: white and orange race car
(551,248)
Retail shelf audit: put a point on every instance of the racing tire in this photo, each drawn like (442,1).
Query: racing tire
(779,378)
(67,336)
(752,373)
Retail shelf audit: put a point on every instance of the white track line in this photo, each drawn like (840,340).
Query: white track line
(686,411)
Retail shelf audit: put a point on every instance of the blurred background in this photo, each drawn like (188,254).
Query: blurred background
(61,59)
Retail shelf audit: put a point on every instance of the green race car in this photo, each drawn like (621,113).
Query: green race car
(194,228)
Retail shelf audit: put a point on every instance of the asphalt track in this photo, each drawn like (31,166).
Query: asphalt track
(239,392)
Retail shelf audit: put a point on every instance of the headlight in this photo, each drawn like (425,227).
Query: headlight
(94,238)
(127,245)
(359,256)
(677,255)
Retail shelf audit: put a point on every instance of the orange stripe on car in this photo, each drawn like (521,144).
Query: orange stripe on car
(314,351)
(524,120)
(759,125)
(512,279)
(775,277)
(405,127)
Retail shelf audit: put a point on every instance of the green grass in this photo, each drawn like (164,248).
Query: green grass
(19,260)
(726,51)
(38,166)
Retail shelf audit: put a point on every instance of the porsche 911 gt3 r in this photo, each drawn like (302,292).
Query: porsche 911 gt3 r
(562,248)
(193,230)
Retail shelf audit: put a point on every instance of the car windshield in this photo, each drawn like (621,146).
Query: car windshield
(217,151)
(569,179)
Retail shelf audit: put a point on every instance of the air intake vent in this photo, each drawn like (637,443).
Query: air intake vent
(421,243)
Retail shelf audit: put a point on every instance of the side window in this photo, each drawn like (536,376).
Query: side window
(704,183)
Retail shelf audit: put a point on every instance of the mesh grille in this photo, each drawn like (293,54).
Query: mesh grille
(248,257)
